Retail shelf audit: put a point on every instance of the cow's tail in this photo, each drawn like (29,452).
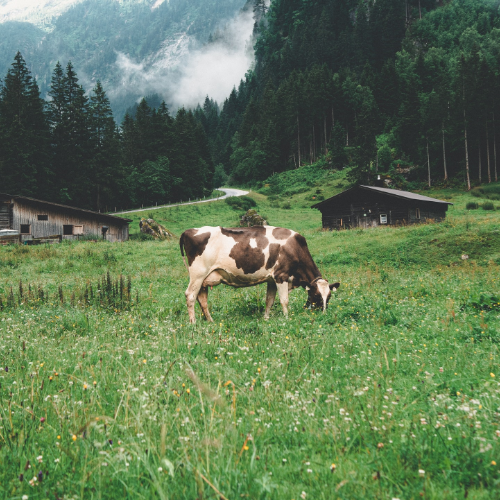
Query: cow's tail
(181,245)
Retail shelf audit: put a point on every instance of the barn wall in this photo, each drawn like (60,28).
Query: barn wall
(364,208)
(26,213)
(5,214)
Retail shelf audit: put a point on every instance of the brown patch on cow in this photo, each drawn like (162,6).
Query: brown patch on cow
(249,259)
(280,233)
(274,251)
(194,244)
(295,260)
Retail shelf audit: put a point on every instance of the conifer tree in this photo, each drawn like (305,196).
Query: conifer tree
(24,154)
(105,150)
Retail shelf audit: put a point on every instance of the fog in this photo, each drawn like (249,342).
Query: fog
(184,73)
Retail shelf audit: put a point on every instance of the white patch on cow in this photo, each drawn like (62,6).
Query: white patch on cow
(324,290)
(253,243)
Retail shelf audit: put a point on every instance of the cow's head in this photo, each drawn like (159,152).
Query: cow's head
(320,292)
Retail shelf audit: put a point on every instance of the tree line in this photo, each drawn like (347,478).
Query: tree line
(69,149)
(383,87)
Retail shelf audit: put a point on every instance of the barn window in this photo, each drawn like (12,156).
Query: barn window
(67,229)
(383,218)
(25,228)
(417,213)
(43,217)
(77,229)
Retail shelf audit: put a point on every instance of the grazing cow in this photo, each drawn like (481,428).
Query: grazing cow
(248,256)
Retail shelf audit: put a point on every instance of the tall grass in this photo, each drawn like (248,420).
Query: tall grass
(392,393)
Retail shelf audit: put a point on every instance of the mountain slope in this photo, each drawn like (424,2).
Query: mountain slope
(130,46)
(39,12)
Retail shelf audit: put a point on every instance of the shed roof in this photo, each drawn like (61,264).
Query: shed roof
(397,193)
(82,211)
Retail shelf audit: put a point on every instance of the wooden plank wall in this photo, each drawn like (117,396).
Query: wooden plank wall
(5,212)
(365,212)
(24,213)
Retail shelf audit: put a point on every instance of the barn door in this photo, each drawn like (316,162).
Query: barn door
(5,215)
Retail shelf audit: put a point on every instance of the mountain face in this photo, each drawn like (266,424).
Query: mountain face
(134,47)
(41,13)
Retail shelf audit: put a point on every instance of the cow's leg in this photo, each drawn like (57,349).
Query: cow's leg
(203,301)
(191,295)
(271,295)
(283,293)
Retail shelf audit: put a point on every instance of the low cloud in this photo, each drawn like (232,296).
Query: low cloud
(184,73)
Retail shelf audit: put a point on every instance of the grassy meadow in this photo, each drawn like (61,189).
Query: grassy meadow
(393,393)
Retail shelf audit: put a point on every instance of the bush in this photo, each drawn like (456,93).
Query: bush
(489,191)
(141,237)
(471,205)
(286,205)
(488,205)
(241,202)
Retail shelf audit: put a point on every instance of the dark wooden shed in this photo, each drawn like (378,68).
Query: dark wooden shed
(36,219)
(370,206)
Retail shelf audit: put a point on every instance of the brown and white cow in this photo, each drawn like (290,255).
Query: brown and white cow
(242,257)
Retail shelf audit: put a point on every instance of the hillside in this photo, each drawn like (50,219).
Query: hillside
(391,393)
(132,47)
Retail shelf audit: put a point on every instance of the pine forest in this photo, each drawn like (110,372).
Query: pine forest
(405,89)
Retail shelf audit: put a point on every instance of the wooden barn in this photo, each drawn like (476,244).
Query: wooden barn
(370,206)
(36,220)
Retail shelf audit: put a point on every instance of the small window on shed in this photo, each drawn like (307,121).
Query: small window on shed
(67,229)
(77,229)
(383,218)
(25,228)
(43,217)
(417,213)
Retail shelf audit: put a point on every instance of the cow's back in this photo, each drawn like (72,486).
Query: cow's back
(253,251)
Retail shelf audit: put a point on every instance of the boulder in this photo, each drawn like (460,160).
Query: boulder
(150,226)
(252,218)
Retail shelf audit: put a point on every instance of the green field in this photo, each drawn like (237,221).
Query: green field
(394,392)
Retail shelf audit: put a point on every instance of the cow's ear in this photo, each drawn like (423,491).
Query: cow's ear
(334,286)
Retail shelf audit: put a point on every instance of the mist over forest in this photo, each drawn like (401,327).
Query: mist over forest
(123,104)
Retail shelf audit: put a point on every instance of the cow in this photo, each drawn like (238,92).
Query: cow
(249,256)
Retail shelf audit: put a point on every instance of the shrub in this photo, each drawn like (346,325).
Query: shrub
(241,202)
(488,205)
(286,205)
(471,205)
(489,191)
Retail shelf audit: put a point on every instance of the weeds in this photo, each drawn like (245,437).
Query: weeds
(392,393)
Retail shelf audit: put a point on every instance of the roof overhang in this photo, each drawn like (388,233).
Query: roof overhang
(58,206)
(396,193)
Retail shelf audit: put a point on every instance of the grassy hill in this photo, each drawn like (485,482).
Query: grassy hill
(392,393)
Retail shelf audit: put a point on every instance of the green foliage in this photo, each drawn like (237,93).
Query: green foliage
(294,181)
(106,292)
(220,176)
(472,205)
(244,203)
(488,205)
(395,377)
(488,191)
(483,301)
